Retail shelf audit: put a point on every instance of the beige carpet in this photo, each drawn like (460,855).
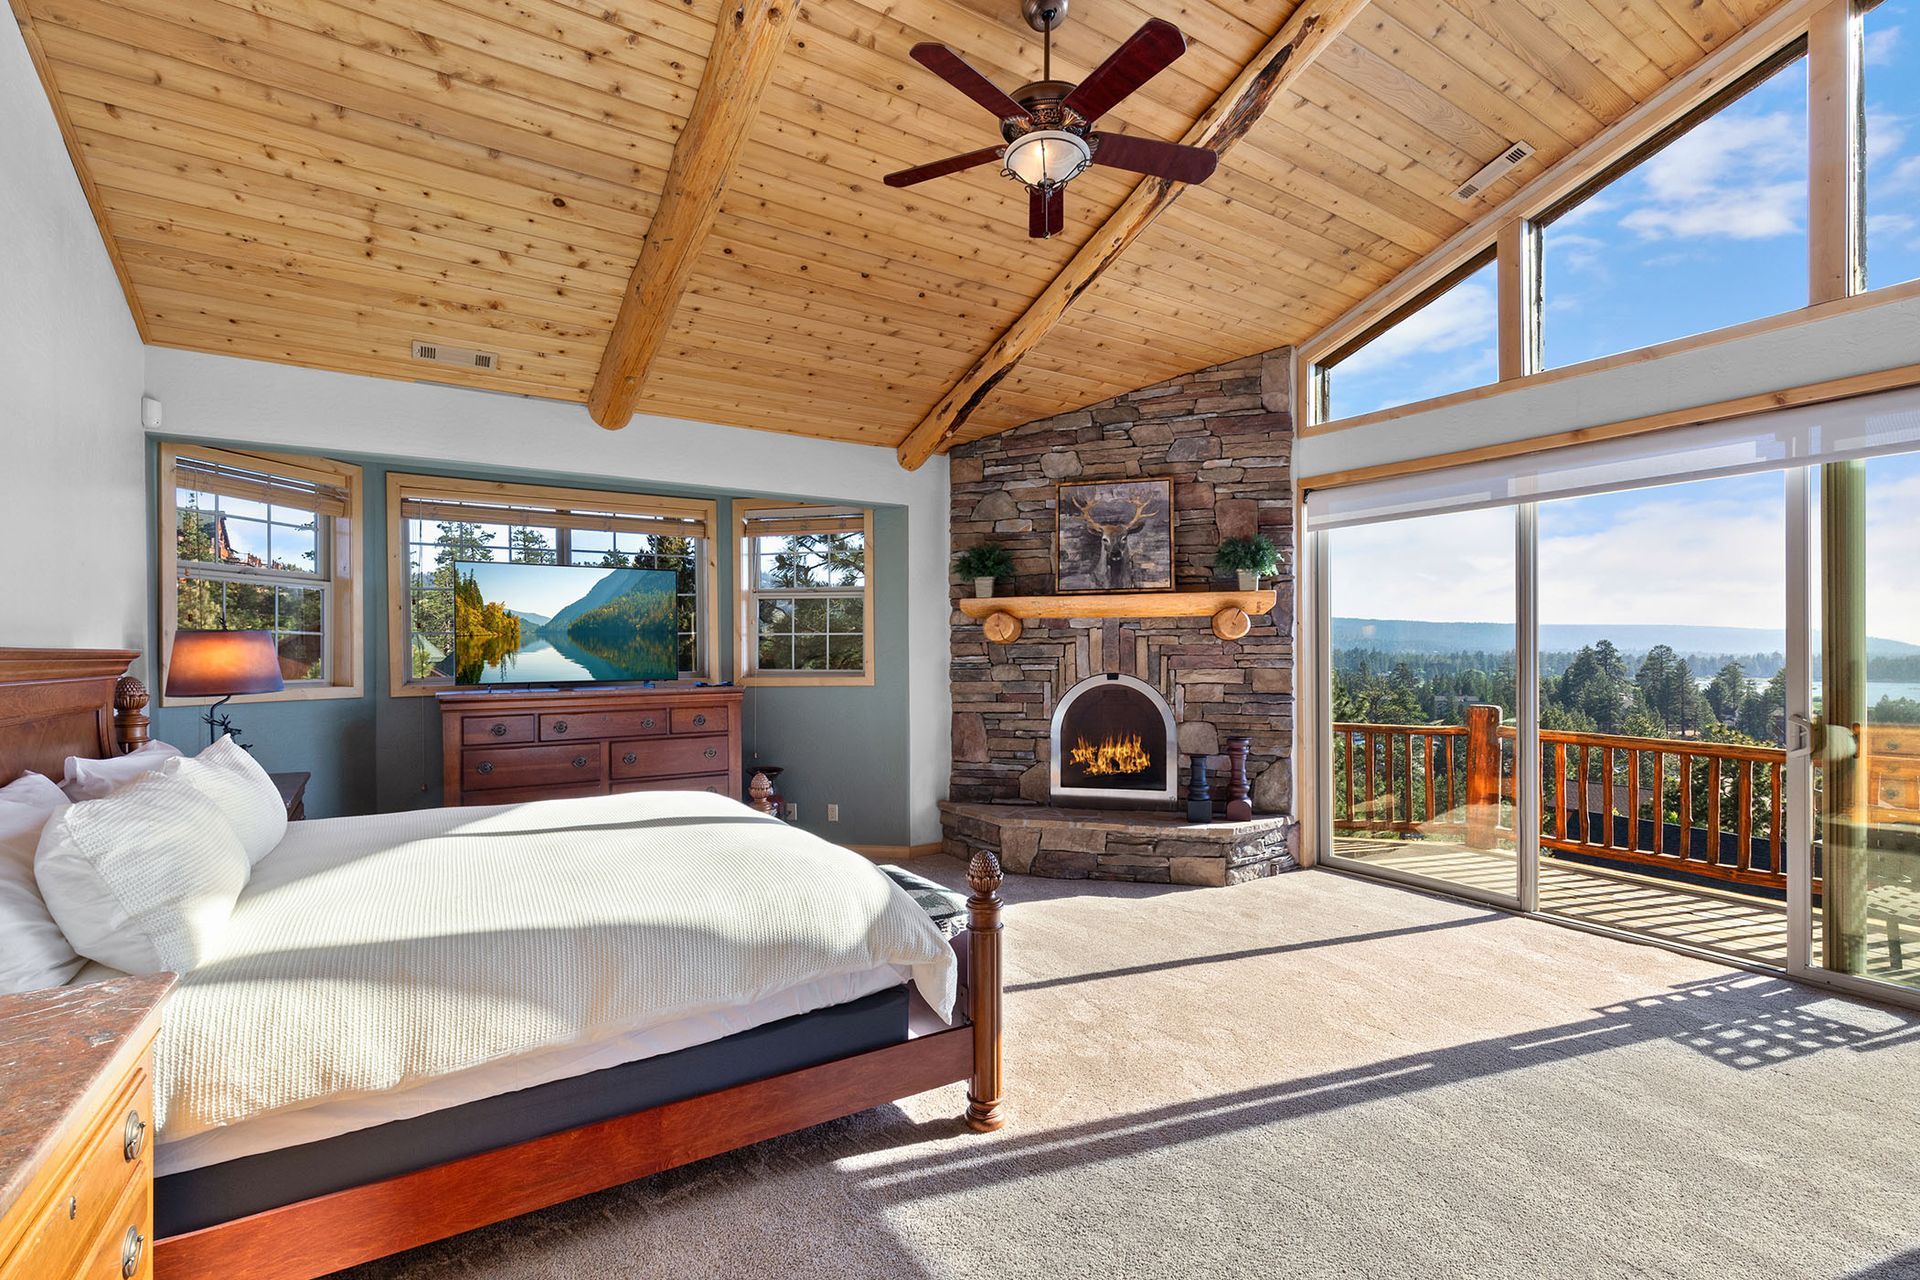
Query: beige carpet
(1319,1076)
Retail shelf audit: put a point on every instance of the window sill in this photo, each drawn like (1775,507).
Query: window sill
(303,693)
(806,679)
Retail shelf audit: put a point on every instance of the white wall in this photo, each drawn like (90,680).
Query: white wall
(71,365)
(223,398)
(1862,341)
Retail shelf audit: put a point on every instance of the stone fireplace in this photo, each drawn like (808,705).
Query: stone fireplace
(1224,437)
(1113,743)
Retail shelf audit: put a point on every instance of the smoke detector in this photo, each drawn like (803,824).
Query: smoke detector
(1493,171)
(465,357)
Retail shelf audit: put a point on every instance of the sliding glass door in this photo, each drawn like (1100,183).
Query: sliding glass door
(1423,658)
(1666,686)
(1866,902)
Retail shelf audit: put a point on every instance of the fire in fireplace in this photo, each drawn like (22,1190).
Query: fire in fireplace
(1113,742)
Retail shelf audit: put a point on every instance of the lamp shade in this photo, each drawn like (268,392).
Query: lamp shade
(1046,157)
(216,664)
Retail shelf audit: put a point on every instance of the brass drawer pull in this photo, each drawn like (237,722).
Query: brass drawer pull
(559,726)
(134,1245)
(499,731)
(647,723)
(485,766)
(699,720)
(134,1136)
(630,758)
(711,752)
(579,762)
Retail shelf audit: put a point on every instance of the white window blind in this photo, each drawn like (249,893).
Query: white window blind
(1887,422)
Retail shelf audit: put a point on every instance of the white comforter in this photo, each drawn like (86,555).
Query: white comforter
(370,954)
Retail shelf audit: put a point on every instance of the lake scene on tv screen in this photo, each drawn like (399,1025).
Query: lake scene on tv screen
(557,624)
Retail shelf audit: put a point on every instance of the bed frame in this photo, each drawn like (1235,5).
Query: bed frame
(56,703)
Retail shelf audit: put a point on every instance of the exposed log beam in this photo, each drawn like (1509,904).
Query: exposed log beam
(1302,38)
(746,43)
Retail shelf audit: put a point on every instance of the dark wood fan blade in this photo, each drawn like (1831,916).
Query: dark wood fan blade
(940,168)
(1046,212)
(1152,156)
(952,68)
(1144,55)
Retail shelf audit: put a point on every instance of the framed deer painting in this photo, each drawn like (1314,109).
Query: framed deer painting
(1114,535)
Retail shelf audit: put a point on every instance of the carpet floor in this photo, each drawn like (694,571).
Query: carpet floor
(1317,1075)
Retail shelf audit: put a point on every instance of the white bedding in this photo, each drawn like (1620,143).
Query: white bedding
(369,956)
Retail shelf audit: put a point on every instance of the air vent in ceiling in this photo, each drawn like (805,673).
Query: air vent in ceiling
(465,357)
(1494,171)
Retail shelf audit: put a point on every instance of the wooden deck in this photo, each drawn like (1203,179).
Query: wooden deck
(1744,926)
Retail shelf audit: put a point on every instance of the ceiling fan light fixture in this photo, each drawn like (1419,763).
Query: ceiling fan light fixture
(1046,158)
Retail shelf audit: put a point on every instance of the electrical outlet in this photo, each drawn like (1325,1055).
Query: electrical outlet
(833,813)
(792,811)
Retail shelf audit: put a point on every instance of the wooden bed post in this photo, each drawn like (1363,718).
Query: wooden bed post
(983,992)
(130,719)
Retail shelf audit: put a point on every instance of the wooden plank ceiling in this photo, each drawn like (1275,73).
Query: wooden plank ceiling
(320,182)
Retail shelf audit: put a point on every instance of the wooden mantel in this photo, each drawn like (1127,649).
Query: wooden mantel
(1232,611)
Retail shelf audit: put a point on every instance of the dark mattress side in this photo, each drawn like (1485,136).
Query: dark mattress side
(219,1193)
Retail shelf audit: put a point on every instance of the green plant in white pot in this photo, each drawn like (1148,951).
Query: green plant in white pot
(985,564)
(1248,559)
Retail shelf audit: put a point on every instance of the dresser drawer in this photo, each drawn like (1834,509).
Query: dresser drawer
(563,764)
(699,719)
(563,726)
(124,1250)
(68,1227)
(480,730)
(672,757)
(719,784)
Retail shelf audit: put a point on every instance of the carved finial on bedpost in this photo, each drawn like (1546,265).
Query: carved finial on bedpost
(130,719)
(984,1113)
(760,792)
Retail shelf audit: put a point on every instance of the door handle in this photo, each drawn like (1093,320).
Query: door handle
(1799,736)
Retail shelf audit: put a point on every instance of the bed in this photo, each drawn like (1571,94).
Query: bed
(426,1022)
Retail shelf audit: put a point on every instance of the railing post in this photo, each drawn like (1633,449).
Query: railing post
(1483,775)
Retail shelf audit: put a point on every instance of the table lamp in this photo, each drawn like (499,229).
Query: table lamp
(220,664)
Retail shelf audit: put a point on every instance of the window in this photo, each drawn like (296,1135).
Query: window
(441,522)
(1447,341)
(806,595)
(1891,74)
(1707,230)
(265,542)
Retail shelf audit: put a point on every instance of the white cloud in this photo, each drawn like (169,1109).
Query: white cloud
(1465,316)
(1741,176)
(1453,568)
(1882,46)
(1886,135)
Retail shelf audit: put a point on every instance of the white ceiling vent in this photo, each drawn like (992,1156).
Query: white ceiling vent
(1494,171)
(465,357)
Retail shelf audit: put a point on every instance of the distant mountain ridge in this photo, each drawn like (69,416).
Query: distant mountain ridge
(615,584)
(1399,635)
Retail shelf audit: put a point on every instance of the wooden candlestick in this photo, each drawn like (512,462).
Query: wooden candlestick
(1239,807)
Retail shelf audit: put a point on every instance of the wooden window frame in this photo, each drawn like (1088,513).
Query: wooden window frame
(746,598)
(403,487)
(345,625)
(1829,30)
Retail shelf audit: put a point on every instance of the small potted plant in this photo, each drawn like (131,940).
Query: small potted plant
(1248,558)
(984,564)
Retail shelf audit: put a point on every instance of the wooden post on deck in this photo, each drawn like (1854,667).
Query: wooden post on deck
(983,991)
(1483,776)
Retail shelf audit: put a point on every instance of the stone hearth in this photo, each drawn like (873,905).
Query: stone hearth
(1107,844)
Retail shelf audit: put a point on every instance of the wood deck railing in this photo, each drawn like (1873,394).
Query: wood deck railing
(1707,809)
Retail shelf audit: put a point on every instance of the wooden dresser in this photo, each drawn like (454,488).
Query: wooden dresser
(505,747)
(76,1147)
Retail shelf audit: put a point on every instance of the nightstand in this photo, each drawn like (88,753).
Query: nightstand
(76,1147)
(293,791)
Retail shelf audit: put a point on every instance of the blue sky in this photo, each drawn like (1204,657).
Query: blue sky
(1709,232)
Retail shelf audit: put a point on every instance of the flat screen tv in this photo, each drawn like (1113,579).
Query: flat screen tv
(563,624)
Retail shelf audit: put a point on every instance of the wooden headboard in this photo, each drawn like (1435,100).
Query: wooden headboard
(56,703)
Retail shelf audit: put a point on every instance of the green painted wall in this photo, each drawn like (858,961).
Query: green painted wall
(379,754)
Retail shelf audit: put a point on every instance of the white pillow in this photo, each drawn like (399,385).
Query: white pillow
(33,951)
(227,774)
(93,779)
(145,879)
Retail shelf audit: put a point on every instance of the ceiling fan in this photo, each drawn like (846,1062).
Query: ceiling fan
(1048,124)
